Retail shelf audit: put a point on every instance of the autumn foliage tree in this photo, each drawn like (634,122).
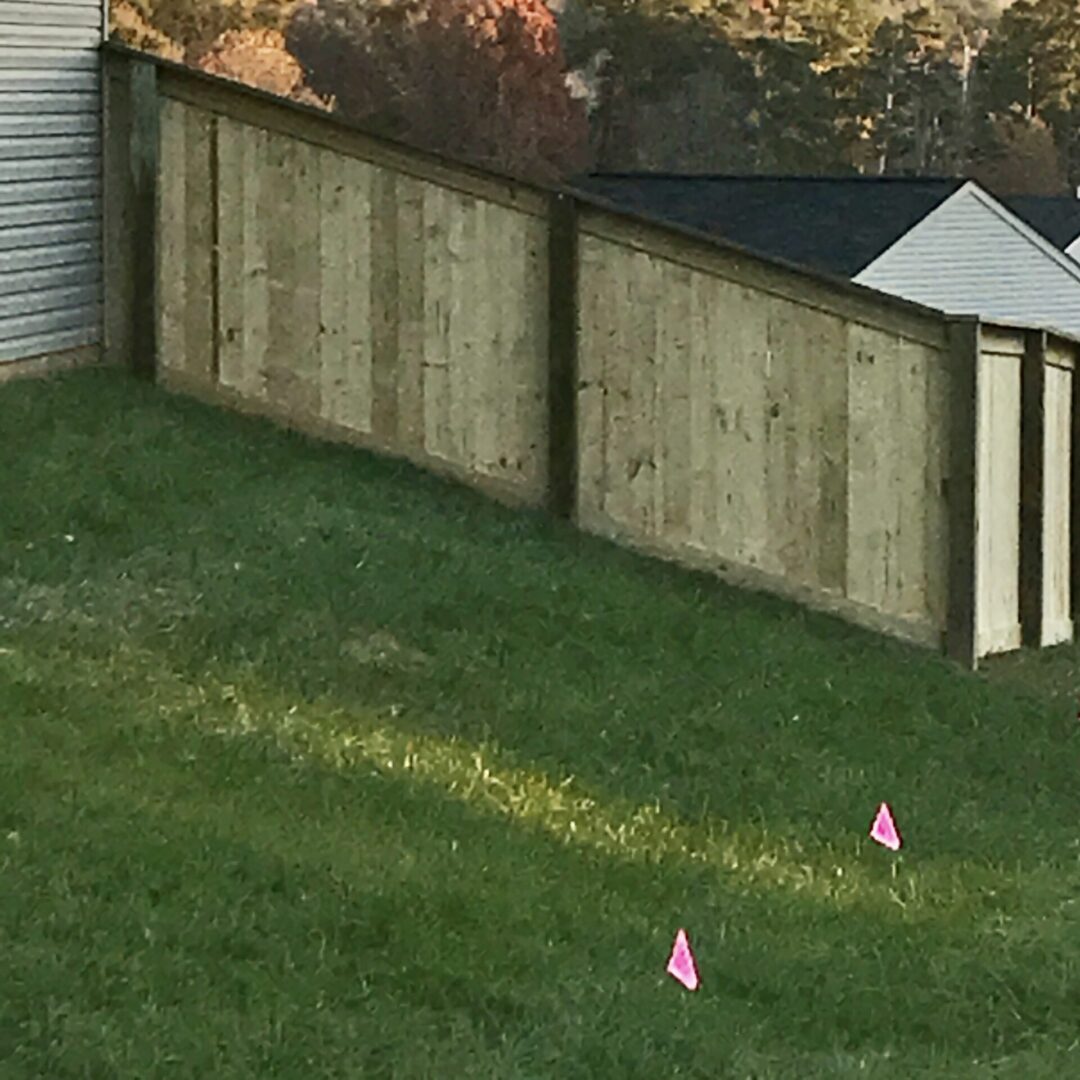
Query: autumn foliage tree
(259,58)
(193,25)
(478,80)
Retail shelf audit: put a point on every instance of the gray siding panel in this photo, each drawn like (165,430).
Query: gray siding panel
(966,259)
(62,234)
(46,122)
(50,176)
(41,300)
(54,341)
(20,282)
(36,191)
(47,212)
(51,169)
(51,147)
(37,258)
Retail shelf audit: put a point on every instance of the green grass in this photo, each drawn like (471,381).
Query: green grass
(316,766)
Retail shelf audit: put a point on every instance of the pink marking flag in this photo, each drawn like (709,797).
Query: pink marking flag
(884,829)
(681,965)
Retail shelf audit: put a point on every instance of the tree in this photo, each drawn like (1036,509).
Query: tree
(480,80)
(1021,159)
(129,24)
(194,25)
(259,58)
(1032,66)
(909,99)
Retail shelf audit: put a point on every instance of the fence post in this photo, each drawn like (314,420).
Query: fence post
(145,109)
(562,355)
(961,637)
(1032,490)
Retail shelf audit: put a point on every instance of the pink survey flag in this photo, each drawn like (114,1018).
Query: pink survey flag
(884,829)
(681,965)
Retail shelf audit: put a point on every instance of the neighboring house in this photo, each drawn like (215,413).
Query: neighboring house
(948,244)
(1057,217)
(50,177)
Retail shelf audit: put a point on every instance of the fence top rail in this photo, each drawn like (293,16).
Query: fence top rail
(244,102)
(1052,334)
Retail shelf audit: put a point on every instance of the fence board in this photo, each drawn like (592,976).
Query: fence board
(674,329)
(411,247)
(172,239)
(439,315)
(1057,614)
(998,502)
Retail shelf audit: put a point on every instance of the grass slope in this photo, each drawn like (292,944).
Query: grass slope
(317,766)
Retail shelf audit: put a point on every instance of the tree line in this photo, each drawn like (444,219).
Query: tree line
(983,88)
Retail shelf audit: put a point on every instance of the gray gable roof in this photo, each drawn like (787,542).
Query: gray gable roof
(1057,217)
(836,225)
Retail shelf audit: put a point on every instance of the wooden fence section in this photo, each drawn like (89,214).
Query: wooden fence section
(731,416)
(351,296)
(862,455)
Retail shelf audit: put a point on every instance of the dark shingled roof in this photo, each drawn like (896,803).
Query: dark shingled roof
(1057,217)
(835,225)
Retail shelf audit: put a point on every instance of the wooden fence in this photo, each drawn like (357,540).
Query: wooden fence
(860,454)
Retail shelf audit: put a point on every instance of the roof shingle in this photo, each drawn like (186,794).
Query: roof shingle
(836,225)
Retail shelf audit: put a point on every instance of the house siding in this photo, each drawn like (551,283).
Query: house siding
(50,176)
(968,258)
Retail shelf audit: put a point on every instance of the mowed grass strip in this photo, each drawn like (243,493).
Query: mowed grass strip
(317,766)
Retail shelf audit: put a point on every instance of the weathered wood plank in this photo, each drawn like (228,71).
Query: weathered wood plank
(306,386)
(910,477)
(438,315)
(172,235)
(674,328)
(359,339)
(619,359)
(869,442)
(384,306)
(279,190)
(1058,617)
(530,356)
(936,438)
(335,257)
(411,246)
(702,394)
(463,350)
(232,193)
(829,345)
(998,505)
(562,357)
(256,266)
(598,329)
(491,361)
(640,312)
(198,245)
(738,336)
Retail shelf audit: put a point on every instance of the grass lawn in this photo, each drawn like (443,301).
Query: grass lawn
(317,766)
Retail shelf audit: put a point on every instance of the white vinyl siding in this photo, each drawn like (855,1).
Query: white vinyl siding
(1074,249)
(971,256)
(50,176)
